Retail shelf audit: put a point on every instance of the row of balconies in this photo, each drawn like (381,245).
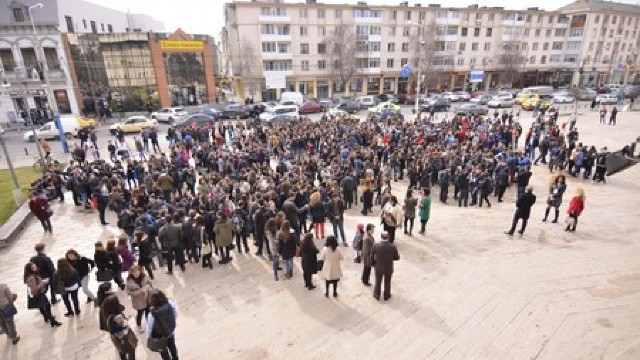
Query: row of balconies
(31,74)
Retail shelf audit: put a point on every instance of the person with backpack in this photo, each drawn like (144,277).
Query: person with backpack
(161,325)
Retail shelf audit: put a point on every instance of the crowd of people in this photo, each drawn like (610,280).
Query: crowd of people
(270,189)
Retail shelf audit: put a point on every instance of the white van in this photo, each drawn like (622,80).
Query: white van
(290,110)
(367,101)
(291,97)
(48,131)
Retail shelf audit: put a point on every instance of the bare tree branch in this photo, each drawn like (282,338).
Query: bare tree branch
(341,53)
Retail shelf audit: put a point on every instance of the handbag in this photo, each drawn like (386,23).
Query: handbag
(126,344)
(320,264)
(104,275)
(156,344)
(36,301)
(9,310)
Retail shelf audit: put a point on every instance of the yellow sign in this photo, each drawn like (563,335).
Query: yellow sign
(181,45)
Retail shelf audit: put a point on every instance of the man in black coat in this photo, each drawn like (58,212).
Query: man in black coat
(46,269)
(383,255)
(523,210)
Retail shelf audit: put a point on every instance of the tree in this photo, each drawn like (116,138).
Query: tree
(511,61)
(423,50)
(342,49)
(249,68)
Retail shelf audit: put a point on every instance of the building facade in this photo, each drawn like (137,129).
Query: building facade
(326,49)
(35,67)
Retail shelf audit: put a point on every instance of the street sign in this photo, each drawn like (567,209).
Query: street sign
(476,76)
(275,79)
(23,93)
(405,72)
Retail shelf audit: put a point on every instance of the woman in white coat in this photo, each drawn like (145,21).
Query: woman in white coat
(331,270)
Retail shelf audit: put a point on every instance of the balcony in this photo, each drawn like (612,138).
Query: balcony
(277,56)
(274,19)
(369,70)
(367,20)
(275,37)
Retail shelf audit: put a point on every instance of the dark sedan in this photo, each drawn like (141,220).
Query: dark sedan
(235,111)
(436,106)
(201,120)
(349,106)
(471,109)
(213,112)
(284,118)
(310,107)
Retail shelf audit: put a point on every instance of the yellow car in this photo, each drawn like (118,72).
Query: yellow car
(134,124)
(87,123)
(385,105)
(531,102)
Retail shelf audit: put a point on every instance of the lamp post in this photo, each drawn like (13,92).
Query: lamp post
(25,99)
(419,82)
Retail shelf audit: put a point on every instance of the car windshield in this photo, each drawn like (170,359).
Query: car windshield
(178,109)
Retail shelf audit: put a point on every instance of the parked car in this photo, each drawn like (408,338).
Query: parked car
(349,106)
(543,102)
(201,120)
(367,101)
(405,99)
(463,95)
(500,102)
(385,105)
(169,115)
(213,112)
(134,124)
(586,94)
(49,130)
(441,104)
(607,99)
(325,104)
(235,111)
(471,109)
(563,98)
(388,97)
(383,114)
(310,107)
(481,100)
(283,118)
(450,96)
(291,110)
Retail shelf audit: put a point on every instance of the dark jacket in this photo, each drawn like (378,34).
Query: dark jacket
(318,213)
(383,255)
(107,260)
(291,212)
(164,321)
(524,204)
(83,266)
(46,269)
(310,259)
(287,249)
(335,209)
(170,236)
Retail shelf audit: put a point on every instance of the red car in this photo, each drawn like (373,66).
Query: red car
(310,107)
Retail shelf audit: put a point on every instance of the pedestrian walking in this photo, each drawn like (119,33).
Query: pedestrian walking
(367,248)
(66,283)
(39,206)
(37,290)
(523,210)
(161,325)
(391,217)
(8,311)
(425,210)
(576,207)
(332,269)
(613,116)
(83,266)
(383,255)
(138,288)
(309,253)
(46,268)
(410,204)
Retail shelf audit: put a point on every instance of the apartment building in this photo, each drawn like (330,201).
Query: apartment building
(34,59)
(273,45)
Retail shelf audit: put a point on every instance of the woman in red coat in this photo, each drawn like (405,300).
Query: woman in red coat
(575,209)
(39,206)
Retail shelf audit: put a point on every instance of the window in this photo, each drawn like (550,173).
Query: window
(614,19)
(29,57)
(94,28)
(338,13)
(18,14)
(489,32)
(576,32)
(269,47)
(548,33)
(303,31)
(487,46)
(534,47)
(537,33)
(102,27)
(591,46)
(84,23)
(571,58)
(389,63)
(283,48)
(110,28)
(406,31)
(404,61)
(491,17)
(320,13)
(265,11)
(476,32)
(596,19)
(557,45)
(276,65)
(322,48)
(280,12)
(545,46)
(304,49)
(532,60)
(69,21)
(304,65)
(394,15)
(543,59)
(526,32)
(322,31)
(461,46)
(391,47)
(303,13)
(322,64)
(573,45)
(529,18)
(554,58)
(440,45)
(474,46)
(367,13)
(6,57)
(422,15)
(560,32)
(405,47)
(550,22)
(392,31)
(51,56)
(463,32)
(605,19)
(407,15)
(478,16)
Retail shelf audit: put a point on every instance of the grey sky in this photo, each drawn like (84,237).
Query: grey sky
(206,16)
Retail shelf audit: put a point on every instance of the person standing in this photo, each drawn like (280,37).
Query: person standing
(114,321)
(170,236)
(67,283)
(425,210)
(309,253)
(7,312)
(335,212)
(576,206)
(83,266)
(46,148)
(224,237)
(108,262)
(318,217)
(612,117)
(39,206)
(331,270)
(383,255)
(37,288)
(556,190)
(410,204)
(138,288)
(287,247)
(392,217)
(523,210)
(161,323)
(46,268)
(367,249)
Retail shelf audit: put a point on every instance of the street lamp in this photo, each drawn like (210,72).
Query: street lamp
(420,45)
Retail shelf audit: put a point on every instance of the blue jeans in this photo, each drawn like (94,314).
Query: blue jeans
(288,264)
(338,225)
(275,262)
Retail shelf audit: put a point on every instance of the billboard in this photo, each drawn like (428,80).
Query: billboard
(193,45)
(275,79)
(476,76)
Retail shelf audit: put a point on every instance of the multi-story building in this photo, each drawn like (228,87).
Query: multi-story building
(34,61)
(313,47)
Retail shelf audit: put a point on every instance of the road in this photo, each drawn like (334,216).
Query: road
(25,154)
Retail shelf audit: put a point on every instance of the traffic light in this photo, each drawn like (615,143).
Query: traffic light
(469,83)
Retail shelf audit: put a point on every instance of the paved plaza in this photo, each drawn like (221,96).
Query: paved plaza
(464,291)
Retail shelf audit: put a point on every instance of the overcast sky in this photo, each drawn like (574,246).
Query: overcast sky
(206,16)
